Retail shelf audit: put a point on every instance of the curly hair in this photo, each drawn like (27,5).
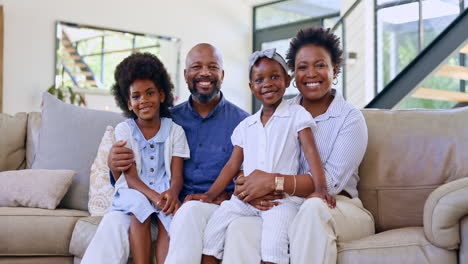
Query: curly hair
(141,66)
(316,36)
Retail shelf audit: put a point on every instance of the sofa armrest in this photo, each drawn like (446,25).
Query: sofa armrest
(443,210)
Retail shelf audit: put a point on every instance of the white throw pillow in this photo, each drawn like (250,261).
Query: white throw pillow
(34,188)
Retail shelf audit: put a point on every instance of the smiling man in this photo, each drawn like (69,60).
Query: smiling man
(207,118)
(208,121)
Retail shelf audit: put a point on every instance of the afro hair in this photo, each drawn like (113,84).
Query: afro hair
(316,36)
(142,66)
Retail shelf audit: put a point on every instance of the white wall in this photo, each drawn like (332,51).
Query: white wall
(30,27)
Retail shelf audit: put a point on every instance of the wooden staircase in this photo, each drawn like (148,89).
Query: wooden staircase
(75,66)
(449,71)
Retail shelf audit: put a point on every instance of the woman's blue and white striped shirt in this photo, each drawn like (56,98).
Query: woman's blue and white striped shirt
(341,139)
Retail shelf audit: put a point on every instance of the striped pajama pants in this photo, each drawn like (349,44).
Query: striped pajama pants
(275,225)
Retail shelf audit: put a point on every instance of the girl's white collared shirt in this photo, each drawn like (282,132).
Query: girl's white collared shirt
(275,147)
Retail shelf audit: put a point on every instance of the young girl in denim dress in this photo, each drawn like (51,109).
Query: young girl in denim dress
(152,184)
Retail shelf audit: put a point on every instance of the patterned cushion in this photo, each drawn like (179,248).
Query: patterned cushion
(100,189)
(32,139)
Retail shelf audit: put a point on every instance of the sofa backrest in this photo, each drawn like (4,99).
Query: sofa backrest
(410,153)
(13,141)
(19,139)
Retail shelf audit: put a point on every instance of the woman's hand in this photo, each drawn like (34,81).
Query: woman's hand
(325,196)
(266,202)
(171,202)
(257,184)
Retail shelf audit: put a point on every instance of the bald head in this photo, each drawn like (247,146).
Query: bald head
(203,50)
(204,72)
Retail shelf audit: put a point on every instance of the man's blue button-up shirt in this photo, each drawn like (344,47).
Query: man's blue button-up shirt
(209,140)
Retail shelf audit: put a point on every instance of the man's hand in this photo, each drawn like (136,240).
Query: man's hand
(120,158)
(195,197)
(203,197)
(222,197)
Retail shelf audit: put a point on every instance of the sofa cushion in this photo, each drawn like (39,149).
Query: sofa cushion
(405,245)
(69,139)
(37,260)
(36,232)
(32,137)
(34,188)
(13,141)
(84,231)
(410,153)
(100,189)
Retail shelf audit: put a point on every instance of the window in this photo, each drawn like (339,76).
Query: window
(404,29)
(276,23)
(86,56)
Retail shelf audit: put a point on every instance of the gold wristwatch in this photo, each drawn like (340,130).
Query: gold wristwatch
(279,184)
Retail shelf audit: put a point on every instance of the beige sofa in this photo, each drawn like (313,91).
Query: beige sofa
(31,235)
(413,180)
